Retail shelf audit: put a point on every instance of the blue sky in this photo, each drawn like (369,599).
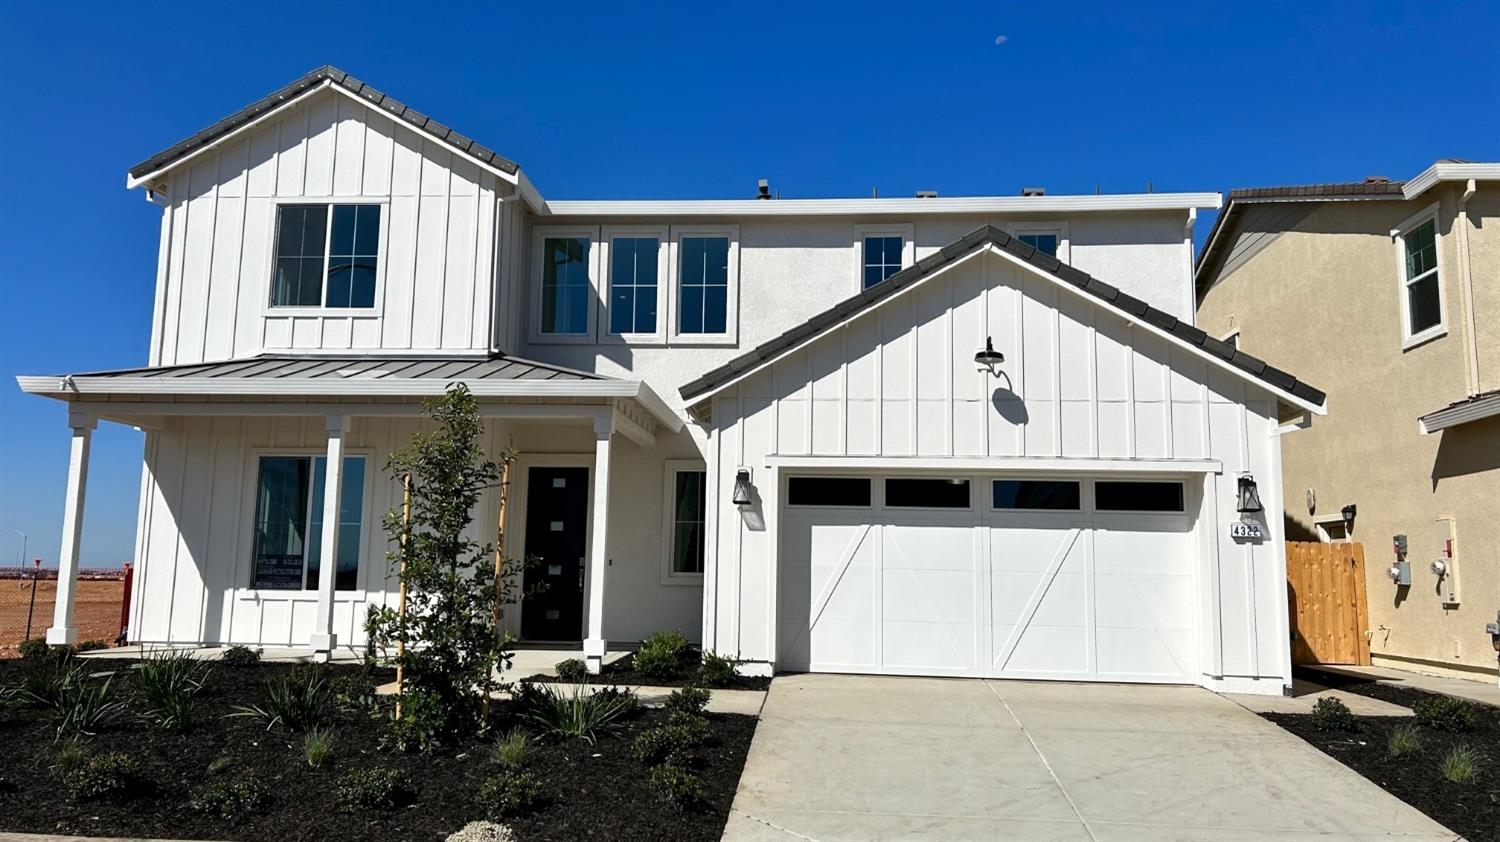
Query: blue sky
(697,100)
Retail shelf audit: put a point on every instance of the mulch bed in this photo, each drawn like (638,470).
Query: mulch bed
(623,673)
(590,791)
(1472,810)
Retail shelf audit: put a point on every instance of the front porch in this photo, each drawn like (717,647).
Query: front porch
(256,470)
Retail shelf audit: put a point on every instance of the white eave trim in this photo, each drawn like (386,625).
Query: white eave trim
(707,397)
(1452,416)
(66,388)
(966,464)
(886,207)
(1440,171)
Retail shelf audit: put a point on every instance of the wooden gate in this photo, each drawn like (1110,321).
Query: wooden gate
(1326,588)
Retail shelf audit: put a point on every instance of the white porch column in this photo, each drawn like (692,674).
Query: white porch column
(323,638)
(594,645)
(63,631)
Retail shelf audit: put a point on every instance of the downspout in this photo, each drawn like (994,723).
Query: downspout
(500,308)
(1466,284)
(1192,285)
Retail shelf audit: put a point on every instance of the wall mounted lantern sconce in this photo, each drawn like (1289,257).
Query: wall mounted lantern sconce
(989,359)
(741,495)
(1349,512)
(1249,499)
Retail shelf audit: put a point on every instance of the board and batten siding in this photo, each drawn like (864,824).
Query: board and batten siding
(437,250)
(1078,381)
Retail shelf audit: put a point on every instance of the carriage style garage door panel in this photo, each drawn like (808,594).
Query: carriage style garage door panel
(1071,592)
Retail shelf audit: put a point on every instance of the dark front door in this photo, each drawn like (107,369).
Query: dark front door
(557,527)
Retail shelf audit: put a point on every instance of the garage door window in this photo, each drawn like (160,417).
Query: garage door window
(927,493)
(1138,496)
(828,491)
(1036,494)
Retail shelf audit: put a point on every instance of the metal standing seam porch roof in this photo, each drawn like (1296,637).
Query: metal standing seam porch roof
(983,237)
(285,375)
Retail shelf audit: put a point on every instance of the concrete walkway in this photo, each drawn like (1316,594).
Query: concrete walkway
(856,758)
(1485,692)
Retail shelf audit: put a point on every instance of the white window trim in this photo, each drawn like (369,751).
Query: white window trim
(663,285)
(539,235)
(244,568)
(730,336)
(1321,522)
(1064,240)
(1231,336)
(906,232)
(669,507)
(987,494)
(268,310)
(1411,340)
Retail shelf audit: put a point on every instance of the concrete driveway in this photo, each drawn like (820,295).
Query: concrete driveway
(851,757)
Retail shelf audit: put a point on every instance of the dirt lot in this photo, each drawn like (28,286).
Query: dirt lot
(96,609)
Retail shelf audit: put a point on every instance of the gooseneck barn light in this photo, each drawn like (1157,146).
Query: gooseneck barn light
(741,495)
(1249,499)
(989,359)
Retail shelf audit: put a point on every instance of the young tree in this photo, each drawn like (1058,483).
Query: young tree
(450,645)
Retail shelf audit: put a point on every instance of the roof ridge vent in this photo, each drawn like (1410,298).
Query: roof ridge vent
(1377,179)
(927,194)
(1033,191)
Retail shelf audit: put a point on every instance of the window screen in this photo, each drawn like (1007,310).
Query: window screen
(927,493)
(1138,496)
(828,491)
(1036,494)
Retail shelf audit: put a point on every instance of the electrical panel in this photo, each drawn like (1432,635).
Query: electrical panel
(1400,569)
(1445,560)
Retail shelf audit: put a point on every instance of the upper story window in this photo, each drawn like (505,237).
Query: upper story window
(880,252)
(1421,293)
(1046,243)
(326,256)
(567,295)
(636,258)
(703,285)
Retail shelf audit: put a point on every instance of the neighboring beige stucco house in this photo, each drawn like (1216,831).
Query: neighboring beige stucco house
(1386,294)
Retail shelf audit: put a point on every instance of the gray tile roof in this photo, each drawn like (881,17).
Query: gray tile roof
(375,98)
(980,238)
(343,368)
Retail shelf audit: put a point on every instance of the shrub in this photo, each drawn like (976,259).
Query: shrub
(580,713)
(231,799)
(296,700)
(677,786)
(93,645)
(448,640)
(672,744)
(169,683)
(70,699)
(1330,714)
(375,789)
(482,832)
(625,698)
(1405,739)
(1444,713)
(661,654)
(354,694)
(718,670)
(35,649)
(219,764)
(511,749)
(690,700)
(511,793)
(1462,764)
(572,669)
(103,776)
(69,755)
(240,656)
(317,745)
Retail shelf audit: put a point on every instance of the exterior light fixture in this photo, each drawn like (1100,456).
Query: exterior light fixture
(741,495)
(1348,512)
(989,359)
(1249,499)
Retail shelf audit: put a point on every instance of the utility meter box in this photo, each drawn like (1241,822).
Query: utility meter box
(1445,559)
(1400,569)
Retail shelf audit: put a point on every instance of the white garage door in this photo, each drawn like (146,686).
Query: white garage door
(1075,579)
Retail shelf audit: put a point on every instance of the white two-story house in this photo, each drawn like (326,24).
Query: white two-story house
(938,436)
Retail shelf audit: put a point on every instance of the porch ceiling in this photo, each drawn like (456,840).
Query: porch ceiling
(378,383)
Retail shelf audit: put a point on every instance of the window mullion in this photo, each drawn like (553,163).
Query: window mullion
(312,478)
(327,248)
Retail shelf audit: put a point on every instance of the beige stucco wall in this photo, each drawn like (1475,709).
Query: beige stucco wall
(1322,301)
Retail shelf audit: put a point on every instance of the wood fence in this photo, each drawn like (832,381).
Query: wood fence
(1326,589)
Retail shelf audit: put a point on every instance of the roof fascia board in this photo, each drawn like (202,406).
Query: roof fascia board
(326,84)
(132,182)
(65,388)
(1441,171)
(1453,416)
(1222,364)
(882,207)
